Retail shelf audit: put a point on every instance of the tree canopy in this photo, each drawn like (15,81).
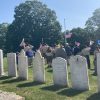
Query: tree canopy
(3,33)
(93,23)
(36,23)
(33,21)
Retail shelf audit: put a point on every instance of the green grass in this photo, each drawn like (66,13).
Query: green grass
(35,91)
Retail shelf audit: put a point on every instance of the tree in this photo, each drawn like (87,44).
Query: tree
(3,32)
(33,21)
(80,35)
(93,23)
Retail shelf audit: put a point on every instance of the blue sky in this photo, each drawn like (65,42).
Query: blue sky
(75,12)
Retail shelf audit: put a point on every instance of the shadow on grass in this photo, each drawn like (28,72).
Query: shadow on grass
(12,80)
(49,70)
(70,92)
(92,69)
(4,77)
(95,96)
(29,84)
(52,88)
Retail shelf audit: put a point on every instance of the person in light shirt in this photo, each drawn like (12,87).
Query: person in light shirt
(86,52)
(60,52)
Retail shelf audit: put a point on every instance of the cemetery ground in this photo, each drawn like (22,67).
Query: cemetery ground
(36,91)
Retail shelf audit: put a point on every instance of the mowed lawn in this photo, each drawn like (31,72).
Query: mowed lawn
(35,91)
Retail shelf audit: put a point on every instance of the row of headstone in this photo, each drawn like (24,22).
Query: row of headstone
(22,65)
(78,69)
(38,69)
(78,65)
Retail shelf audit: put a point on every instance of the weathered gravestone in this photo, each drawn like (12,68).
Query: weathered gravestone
(12,66)
(60,72)
(39,68)
(98,70)
(1,63)
(23,66)
(79,73)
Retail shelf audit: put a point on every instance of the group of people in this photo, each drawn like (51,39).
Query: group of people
(66,51)
(28,49)
(58,51)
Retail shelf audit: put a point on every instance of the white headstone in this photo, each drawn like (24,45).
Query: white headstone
(23,66)
(22,52)
(98,70)
(12,66)
(79,73)
(39,68)
(1,63)
(60,72)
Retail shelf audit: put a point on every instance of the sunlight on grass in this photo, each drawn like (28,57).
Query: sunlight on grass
(35,91)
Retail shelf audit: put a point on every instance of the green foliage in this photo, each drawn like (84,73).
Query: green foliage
(3,32)
(33,21)
(93,23)
(79,35)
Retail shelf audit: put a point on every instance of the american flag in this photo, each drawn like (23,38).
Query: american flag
(68,35)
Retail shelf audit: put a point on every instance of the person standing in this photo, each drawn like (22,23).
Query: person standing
(49,56)
(60,52)
(28,51)
(86,52)
(76,49)
(69,51)
(96,51)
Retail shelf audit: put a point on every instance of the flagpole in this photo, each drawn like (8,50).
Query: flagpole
(65,30)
